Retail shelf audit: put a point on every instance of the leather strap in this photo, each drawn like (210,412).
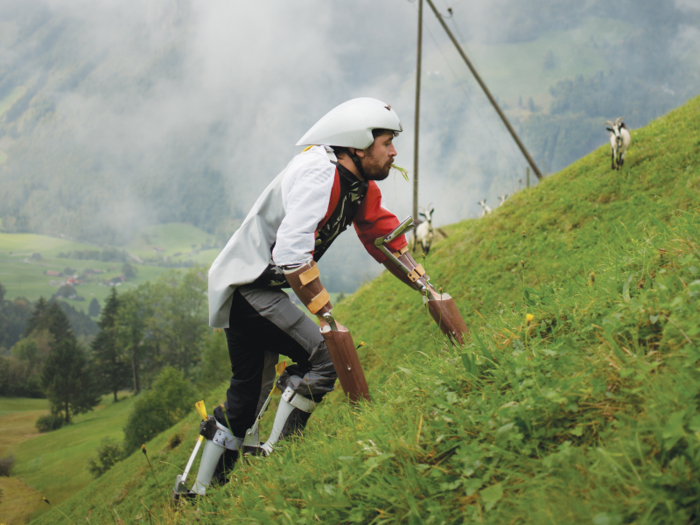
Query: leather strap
(319,301)
(401,251)
(309,275)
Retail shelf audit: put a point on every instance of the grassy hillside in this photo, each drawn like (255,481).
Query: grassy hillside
(51,465)
(576,400)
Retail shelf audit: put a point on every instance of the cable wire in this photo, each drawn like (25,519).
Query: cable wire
(507,156)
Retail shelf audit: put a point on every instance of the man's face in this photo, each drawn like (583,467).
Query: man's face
(377,159)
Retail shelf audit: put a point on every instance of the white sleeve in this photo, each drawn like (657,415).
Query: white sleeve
(306,192)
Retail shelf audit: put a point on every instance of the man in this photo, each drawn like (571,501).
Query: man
(324,189)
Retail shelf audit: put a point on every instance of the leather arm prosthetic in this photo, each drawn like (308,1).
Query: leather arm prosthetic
(306,284)
(442,307)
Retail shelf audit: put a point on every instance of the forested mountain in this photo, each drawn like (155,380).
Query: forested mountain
(113,116)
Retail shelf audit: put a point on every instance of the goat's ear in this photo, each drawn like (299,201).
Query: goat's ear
(422,214)
(609,129)
(432,210)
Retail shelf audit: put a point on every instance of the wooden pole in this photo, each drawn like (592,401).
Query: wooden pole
(417,113)
(528,176)
(529,159)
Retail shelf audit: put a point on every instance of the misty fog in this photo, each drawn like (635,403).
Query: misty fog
(126,113)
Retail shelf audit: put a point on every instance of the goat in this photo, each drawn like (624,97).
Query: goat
(502,199)
(424,231)
(620,140)
(485,210)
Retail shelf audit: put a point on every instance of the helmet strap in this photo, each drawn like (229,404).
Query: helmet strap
(356,162)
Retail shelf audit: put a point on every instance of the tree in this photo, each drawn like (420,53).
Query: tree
(37,315)
(178,320)
(130,328)
(68,381)
(56,320)
(171,398)
(129,271)
(107,358)
(94,308)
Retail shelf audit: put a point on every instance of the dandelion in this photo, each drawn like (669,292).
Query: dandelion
(529,318)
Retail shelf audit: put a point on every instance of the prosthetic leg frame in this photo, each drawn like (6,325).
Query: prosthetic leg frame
(251,443)
(216,438)
(292,414)
(442,307)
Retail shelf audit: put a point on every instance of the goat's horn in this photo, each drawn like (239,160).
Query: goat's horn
(608,122)
(618,120)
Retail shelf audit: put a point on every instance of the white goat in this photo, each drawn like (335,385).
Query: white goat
(485,210)
(620,140)
(424,231)
(502,199)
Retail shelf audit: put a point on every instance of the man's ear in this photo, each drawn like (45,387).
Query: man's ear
(360,153)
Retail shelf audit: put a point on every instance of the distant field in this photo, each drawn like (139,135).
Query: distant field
(13,405)
(184,240)
(23,276)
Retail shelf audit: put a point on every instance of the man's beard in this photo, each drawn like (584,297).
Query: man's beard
(376,172)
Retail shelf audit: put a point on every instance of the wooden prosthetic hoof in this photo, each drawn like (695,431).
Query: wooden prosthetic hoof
(445,313)
(347,364)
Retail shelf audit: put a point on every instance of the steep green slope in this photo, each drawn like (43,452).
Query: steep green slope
(576,400)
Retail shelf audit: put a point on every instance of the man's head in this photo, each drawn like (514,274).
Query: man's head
(373,162)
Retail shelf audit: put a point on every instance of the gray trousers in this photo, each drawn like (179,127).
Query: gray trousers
(263,324)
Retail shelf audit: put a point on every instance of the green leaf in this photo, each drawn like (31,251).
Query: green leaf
(492,495)
(673,431)
(576,431)
(626,288)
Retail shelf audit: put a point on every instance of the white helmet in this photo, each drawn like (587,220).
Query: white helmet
(350,125)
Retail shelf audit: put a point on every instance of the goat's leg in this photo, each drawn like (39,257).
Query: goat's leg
(622,159)
(612,159)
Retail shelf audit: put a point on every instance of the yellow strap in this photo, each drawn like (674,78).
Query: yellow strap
(318,302)
(307,148)
(309,275)
(413,275)
(419,269)
(401,251)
